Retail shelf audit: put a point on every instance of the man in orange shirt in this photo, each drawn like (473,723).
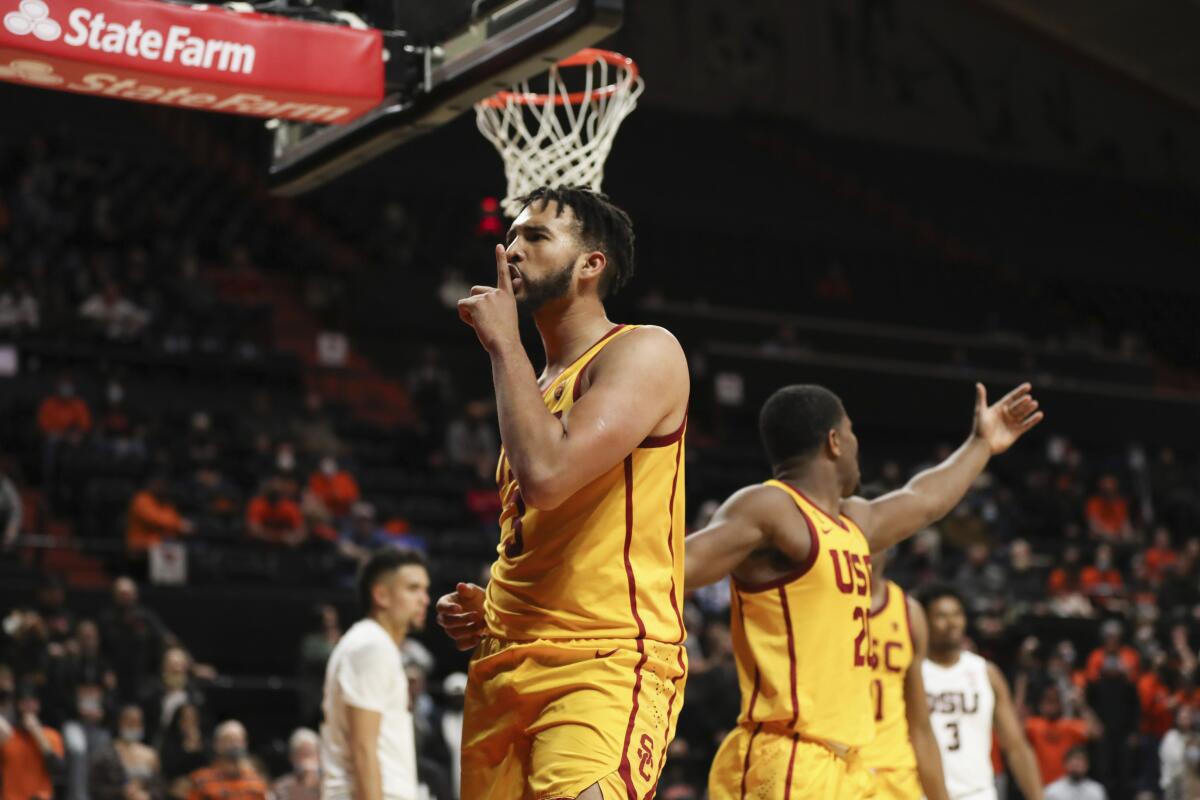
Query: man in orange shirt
(64,413)
(1107,511)
(153,517)
(1053,735)
(335,487)
(1110,635)
(231,777)
(1160,556)
(274,518)
(1101,581)
(31,755)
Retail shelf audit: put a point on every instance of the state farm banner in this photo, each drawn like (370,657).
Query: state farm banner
(203,57)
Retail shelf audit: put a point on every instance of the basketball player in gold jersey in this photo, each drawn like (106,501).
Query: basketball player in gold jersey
(903,756)
(799,548)
(578,674)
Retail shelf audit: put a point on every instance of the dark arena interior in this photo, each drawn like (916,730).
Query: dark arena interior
(218,399)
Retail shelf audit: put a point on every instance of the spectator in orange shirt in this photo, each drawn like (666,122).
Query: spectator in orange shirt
(31,755)
(1160,555)
(64,414)
(231,777)
(1107,512)
(1101,581)
(275,518)
(1110,636)
(334,487)
(153,517)
(1052,735)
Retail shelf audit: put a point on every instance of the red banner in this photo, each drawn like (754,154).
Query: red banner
(203,57)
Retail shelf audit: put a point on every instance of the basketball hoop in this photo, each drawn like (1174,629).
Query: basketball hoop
(560,137)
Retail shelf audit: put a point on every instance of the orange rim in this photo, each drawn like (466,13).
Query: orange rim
(583,58)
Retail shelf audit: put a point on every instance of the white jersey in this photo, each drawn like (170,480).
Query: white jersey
(961,706)
(365,671)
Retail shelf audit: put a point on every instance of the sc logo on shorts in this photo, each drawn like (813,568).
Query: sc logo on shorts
(645,755)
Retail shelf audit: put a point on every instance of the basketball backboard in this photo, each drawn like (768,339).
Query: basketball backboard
(429,85)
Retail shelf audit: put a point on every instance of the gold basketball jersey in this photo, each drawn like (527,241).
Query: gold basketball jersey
(892,646)
(803,642)
(608,562)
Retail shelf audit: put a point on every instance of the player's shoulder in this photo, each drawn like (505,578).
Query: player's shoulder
(368,636)
(760,499)
(646,351)
(647,340)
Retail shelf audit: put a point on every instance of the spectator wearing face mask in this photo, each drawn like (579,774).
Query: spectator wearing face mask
(130,769)
(304,781)
(1112,644)
(231,774)
(1101,581)
(335,487)
(84,739)
(1180,757)
(31,754)
(1075,783)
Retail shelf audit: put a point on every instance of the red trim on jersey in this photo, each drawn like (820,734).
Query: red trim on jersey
(626,773)
(753,695)
(791,640)
(629,543)
(577,389)
(667,438)
(887,598)
(671,540)
(757,678)
(641,644)
(787,782)
(813,551)
(835,520)
(746,761)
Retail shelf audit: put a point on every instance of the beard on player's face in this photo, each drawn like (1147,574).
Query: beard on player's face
(535,293)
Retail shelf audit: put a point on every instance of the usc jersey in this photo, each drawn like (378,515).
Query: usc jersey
(803,641)
(608,562)
(892,655)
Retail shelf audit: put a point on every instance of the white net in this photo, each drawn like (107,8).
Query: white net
(559,137)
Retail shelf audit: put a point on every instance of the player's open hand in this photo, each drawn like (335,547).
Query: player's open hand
(1006,420)
(460,613)
(492,310)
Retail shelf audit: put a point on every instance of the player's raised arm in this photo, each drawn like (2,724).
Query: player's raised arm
(738,528)
(933,493)
(920,730)
(1017,752)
